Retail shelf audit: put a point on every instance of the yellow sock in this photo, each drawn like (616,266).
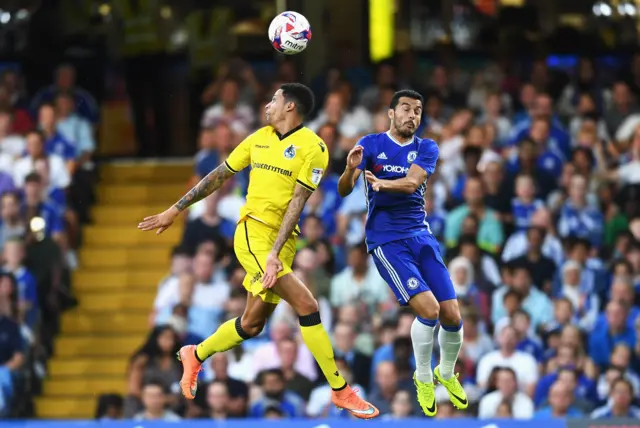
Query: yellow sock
(227,336)
(317,340)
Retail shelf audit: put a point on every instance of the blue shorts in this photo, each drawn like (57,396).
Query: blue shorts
(414,265)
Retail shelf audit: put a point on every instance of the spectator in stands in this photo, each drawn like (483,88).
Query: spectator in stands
(523,364)
(534,301)
(541,267)
(386,385)
(344,340)
(334,111)
(74,128)
(266,356)
(37,158)
(584,301)
(110,407)
(490,233)
(12,224)
(155,399)
(55,143)
(237,391)
(35,204)
(209,226)
(240,117)
(28,308)
(577,218)
(622,107)
(401,406)
(168,294)
(561,403)
(11,343)
(507,391)
(294,381)
(621,403)
(525,203)
(217,397)
(155,362)
(274,393)
(359,282)
(209,294)
(616,330)
(12,144)
(65,81)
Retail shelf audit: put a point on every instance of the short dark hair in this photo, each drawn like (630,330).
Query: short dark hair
(33,177)
(301,95)
(407,93)
(264,373)
(37,132)
(157,382)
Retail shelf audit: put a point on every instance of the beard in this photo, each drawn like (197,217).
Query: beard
(404,131)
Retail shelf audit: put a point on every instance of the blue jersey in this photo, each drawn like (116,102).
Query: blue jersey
(58,145)
(522,212)
(395,216)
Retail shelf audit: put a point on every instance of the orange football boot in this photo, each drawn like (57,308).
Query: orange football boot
(190,369)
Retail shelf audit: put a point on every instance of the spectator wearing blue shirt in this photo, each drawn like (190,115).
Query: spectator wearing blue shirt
(585,388)
(526,160)
(34,205)
(561,403)
(527,100)
(55,143)
(65,81)
(11,342)
(207,159)
(14,254)
(604,338)
(527,342)
(324,204)
(577,217)
(525,203)
(74,128)
(620,404)
(550,158)
(275,395)
(543,109)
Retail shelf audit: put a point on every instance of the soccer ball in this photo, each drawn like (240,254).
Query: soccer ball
(289,33)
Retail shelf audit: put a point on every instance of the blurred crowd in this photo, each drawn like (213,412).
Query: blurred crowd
(46,189)
(536,203)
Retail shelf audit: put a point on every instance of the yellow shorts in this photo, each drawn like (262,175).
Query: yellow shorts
(252,243)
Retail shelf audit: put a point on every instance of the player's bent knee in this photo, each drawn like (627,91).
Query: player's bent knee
(425,306)
(450,313)
(248,328)
(306,306)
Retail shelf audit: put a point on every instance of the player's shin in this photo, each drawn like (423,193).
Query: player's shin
(228,336)
(450,341)
(422,337)
(318,342)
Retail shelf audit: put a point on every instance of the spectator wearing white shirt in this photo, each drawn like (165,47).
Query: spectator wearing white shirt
(12,146)
(239,116)
(524,365)
(210,293)
(359,281)
(73,127)
(349,124)
(507,390)
(518,243)
(58,176)
(168,290)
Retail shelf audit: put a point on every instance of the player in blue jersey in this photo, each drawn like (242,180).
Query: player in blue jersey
(397,165)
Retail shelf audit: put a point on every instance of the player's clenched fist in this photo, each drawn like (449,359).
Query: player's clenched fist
(354,158)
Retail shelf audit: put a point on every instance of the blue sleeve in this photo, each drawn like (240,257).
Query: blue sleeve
(256,411)
(70,151)
(427,156)
(365,142)
(31,292)
(57,224)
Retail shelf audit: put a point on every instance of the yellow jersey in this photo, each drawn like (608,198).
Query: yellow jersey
(278,163)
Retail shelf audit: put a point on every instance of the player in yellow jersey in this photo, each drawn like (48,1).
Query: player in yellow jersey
(287,163)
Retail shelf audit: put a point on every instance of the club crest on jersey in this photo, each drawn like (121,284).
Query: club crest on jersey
(412,156)
(412,283)
(290,152)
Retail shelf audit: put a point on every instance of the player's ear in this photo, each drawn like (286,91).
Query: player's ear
(390,113)
(290,106)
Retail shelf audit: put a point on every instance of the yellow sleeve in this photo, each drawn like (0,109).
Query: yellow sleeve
(240,157)
(314,166)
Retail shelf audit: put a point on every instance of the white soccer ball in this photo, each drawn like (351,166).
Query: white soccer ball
(289,33)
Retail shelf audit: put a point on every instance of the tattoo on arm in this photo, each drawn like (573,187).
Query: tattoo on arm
(291,216)
(209,184)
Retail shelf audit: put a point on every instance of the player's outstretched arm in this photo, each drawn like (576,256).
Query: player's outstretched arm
(351,172)
(209,184)
(409,184)
(289,222)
